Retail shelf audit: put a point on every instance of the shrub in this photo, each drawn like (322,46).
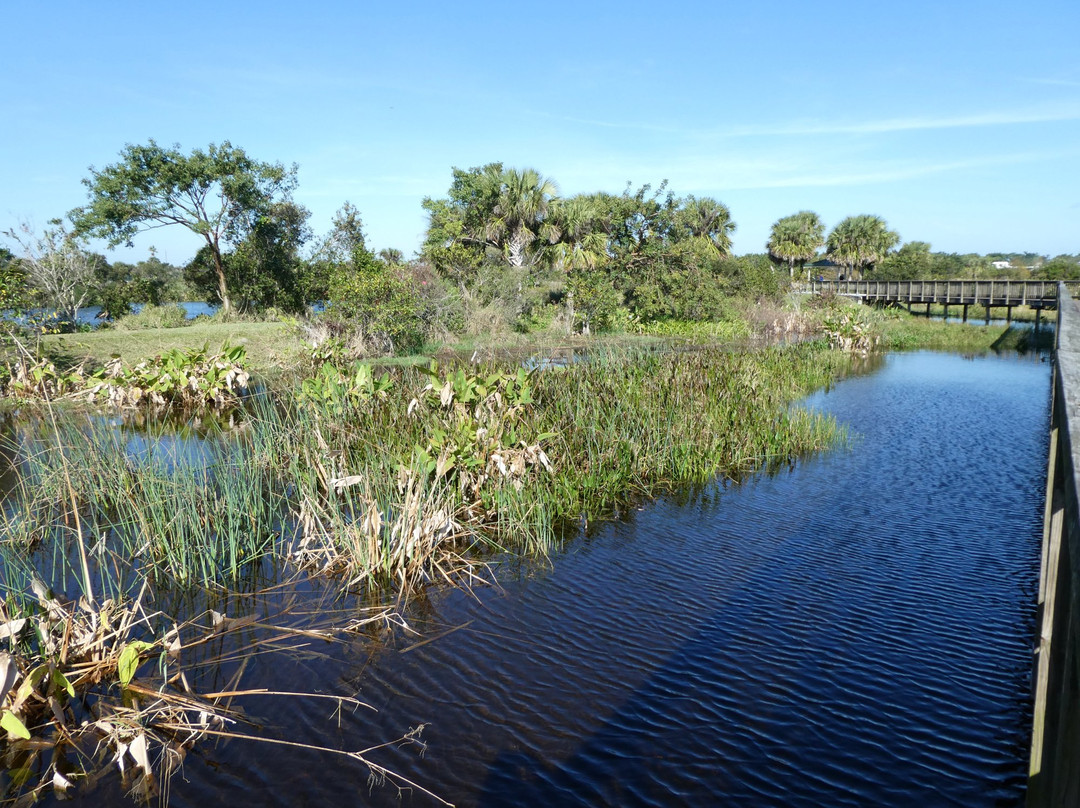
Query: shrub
(171,315)
(378,302)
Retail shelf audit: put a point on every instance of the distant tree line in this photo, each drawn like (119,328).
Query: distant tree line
(503,248)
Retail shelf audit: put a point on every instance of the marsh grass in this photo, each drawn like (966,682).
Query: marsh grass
(378,486)
(411,474)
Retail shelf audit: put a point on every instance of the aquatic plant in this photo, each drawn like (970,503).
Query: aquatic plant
(849,331)
(191,378)
(334,391)
(38,378)
(492,457)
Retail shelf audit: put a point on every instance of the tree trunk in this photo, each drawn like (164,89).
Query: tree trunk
(219,270)
(570,311)
(515,250)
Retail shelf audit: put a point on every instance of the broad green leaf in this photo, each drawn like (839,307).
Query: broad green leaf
(59,680)
(10,722)
(129,660)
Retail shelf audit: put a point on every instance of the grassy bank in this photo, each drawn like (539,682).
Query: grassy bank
(275,349)
(271,347)
(901,331)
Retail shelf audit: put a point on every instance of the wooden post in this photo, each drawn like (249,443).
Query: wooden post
(946,307)
(965,312)
(1008,315)
(988,312)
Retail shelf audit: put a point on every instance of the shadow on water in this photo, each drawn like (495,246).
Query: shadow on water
(621,763)
(1025,340)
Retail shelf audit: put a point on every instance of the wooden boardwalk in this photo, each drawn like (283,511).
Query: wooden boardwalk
(1054,774)
(990,294)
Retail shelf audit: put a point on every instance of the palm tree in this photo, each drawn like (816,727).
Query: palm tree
(859,242)
(706,219)
(796,239)
(582,244)
(392,256)
(518,217)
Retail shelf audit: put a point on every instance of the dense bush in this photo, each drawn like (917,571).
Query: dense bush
(377,304)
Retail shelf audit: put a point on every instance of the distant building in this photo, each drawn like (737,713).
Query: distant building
(1001,264)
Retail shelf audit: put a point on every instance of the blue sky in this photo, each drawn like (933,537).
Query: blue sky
(956,121)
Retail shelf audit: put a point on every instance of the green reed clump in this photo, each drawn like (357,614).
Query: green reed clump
(643,424)
(189,515)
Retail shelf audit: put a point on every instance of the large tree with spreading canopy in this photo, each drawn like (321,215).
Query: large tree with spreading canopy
(220,194)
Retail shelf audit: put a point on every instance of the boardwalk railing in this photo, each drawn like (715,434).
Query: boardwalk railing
(1054,774)
(1036,294)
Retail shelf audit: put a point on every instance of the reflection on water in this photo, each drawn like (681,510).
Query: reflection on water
(855,632)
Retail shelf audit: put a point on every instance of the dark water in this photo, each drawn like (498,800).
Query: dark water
(856,632)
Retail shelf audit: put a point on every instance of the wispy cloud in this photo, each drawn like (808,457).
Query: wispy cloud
(709,175)
(996,118)
(807,127)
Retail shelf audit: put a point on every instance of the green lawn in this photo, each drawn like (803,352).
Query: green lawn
(270,346)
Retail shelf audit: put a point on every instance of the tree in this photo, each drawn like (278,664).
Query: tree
(518,218)
(489,210)
(346,236)
(859,242)
(666,253)
(451,244)
(219,194)
(264,270)
(912,262)
(796,239)
(337,248)
(57,266)
(578,254)
(391,256)
(705,219)
(1059,268)
(13,281)
(490,235)
(377,302)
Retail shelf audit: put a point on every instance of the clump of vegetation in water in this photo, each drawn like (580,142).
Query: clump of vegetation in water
(850,332)
(384,472)
(497,458)
(193,378)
